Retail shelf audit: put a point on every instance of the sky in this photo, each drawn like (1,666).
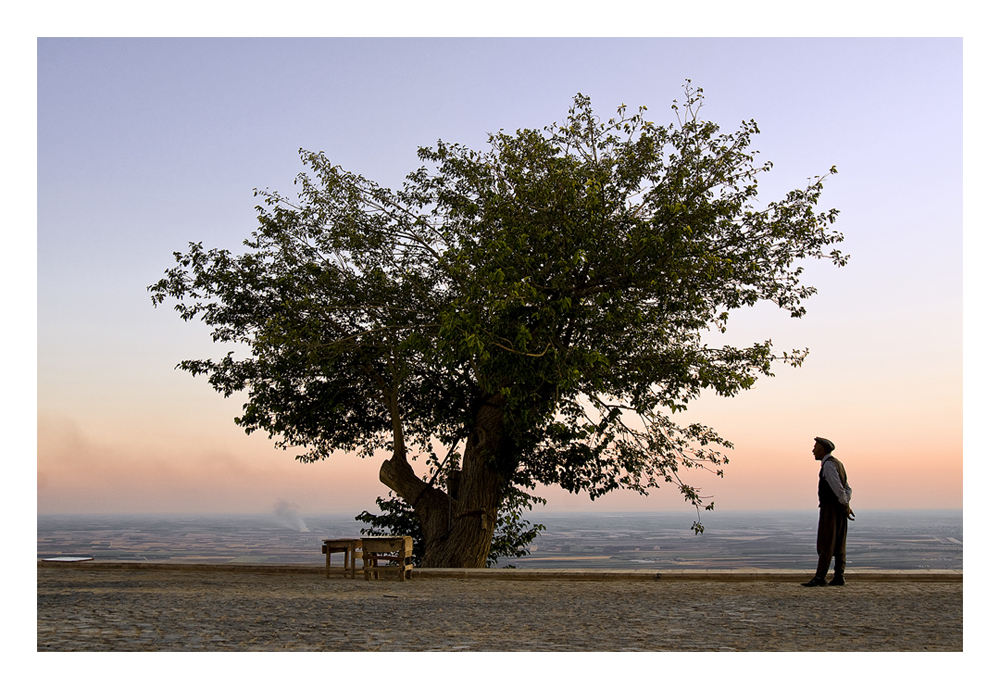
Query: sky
(144,145)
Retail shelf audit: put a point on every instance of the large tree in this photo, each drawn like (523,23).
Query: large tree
(537,307)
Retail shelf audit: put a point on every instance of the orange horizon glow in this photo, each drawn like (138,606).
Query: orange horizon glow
(234,473)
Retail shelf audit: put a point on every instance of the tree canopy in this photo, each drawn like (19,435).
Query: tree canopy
(538,307)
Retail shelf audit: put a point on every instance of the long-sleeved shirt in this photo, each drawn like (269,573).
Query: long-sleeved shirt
(829,472)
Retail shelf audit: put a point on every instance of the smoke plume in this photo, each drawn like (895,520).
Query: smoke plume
(287,515)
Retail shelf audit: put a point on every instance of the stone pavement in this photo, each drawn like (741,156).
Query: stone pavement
(103,607)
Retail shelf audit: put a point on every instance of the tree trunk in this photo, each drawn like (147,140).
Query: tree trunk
(458,530)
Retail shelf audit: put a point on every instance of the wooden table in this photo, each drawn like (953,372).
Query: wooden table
(349,547)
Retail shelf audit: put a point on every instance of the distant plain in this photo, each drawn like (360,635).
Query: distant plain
(888,539)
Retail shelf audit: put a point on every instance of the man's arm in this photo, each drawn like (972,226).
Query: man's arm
(832,477)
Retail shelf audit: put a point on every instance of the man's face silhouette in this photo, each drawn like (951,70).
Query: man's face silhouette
(819,450)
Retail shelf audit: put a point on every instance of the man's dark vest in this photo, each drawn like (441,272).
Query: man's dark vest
(826,495)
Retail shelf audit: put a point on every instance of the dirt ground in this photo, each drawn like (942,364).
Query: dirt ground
(169,610)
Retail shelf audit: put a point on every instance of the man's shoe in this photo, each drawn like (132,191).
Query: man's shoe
(815,581)
(838,580)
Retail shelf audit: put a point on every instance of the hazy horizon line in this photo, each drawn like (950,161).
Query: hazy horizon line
(523,515)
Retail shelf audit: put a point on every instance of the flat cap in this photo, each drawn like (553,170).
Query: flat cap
(828,443)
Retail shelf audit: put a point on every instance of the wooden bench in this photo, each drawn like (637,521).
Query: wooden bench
(397,551)
(349,547)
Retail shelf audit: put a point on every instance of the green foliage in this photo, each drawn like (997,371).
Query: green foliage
(512,537)
(564,275)
(396,519)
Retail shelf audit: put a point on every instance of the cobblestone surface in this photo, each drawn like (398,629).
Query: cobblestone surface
(163,610)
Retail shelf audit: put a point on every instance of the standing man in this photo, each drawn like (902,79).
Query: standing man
(834,511)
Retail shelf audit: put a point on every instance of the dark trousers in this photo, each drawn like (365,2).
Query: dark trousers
(831,540)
